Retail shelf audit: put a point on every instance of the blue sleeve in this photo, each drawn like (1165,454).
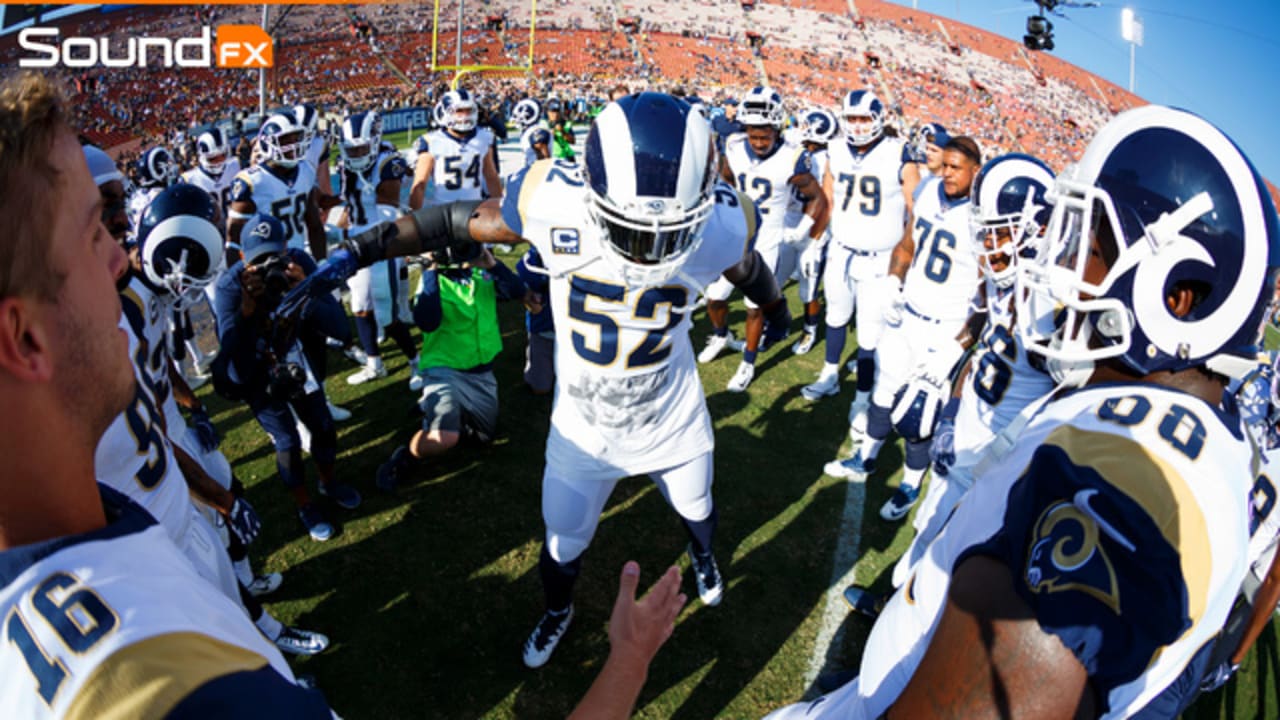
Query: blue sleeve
(393,169)
(237,335)
(426,306)
(1093,565)
(507,284)
(532,278)
(804,164)
(421,145)
(511,200)
(919,189)
(261,693)
(324,313)
(241,191)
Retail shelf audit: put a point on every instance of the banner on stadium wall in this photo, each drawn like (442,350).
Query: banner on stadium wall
(406,118)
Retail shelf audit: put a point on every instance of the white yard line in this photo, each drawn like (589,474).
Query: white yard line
(842,575)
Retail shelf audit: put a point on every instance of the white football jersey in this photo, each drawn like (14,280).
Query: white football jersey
(1118,513)
(219,187)
(1264,521)
(764,180)
(317,153)
(628,395)
(943,275)
(1001,381)
(359,190)
(458,172)
(108,623)
(138,203)
(281,194)
(868,209)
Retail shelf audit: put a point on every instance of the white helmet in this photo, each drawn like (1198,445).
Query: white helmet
(761,106)
(361,138)
(1161,202)
(212,150)
(283,140)
(1009,193)
(526,113)
(862,104)
(459,110)
(649,162)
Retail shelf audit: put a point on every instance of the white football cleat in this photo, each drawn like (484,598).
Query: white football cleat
(717,343)
(742,378)
(805,343)
(826,386)
(372,370)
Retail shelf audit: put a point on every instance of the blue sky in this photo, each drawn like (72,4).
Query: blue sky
(1220,60)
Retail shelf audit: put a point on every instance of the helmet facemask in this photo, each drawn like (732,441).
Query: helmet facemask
(647,242)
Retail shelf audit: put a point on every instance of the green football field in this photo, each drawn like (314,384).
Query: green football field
(428,595)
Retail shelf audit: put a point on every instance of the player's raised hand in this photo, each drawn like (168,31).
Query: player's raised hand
(637,628)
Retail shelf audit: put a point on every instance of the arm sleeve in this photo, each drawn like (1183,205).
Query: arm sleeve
(426,306)
(237,334)
(507,284)
(1082,550)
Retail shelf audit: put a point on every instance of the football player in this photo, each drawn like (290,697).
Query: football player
(628,239)
(994,389)
(150,453)
(863,184)
(216,167)
(372,174)
(455,156)
(1105,549)
(282,185)
(935,267)
(774,174)
(535,136)
(818,127)
(923,157)
(156,170)
(96,597)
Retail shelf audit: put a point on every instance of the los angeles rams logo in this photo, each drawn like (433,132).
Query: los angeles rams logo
(261,230)
(1065,555)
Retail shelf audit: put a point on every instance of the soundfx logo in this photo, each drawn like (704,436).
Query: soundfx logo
(237,46)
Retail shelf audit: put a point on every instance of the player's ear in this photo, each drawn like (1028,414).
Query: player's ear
(24,342)
(1183,297)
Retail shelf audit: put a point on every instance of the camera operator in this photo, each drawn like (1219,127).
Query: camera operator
(263,362)
(457,312)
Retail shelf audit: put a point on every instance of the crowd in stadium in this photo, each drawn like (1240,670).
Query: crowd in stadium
(1070,354)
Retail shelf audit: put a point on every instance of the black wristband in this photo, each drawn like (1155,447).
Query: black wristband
(440,226)
(371,245)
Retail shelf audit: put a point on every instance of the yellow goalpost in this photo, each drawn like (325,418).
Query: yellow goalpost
(459,69)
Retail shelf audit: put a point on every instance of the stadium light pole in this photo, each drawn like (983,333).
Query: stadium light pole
(1131,31)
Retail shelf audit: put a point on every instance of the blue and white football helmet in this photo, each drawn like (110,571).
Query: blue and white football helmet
(650,166)
(526,113)
(761,106)
(283,140)
(1009,193)
(157,168)
(818,125)
(361,139)
(861,104)
(179,243)
(212,150)
(459,110)
(1165,201)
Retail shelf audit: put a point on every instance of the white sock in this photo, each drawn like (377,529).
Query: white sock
(269,626)
(862,397)
(871,448)
(912,478)
(828,370)
(244,571)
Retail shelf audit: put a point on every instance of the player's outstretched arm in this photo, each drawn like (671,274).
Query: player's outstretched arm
(432,228)
(637,628)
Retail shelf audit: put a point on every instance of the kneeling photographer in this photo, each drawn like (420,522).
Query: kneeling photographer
(263,362)
(457,312)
